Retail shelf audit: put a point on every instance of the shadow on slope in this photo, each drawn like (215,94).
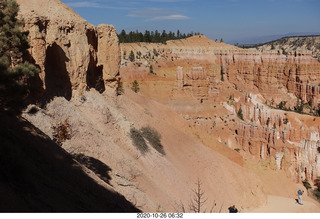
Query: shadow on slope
(98,167)
(36,175)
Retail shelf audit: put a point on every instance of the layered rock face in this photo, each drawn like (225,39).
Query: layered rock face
(203,70)
(286,140)
(274,75)
(71,53)
(271,73)
(193,82)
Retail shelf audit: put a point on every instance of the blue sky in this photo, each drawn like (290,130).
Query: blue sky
(232,20)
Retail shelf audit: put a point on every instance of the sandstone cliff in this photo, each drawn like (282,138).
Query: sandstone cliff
(208,82)
(272,73)
(71,53)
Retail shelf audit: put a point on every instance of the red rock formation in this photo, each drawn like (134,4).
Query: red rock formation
(66,46)
(198,67)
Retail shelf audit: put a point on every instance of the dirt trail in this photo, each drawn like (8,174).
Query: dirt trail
(277,204)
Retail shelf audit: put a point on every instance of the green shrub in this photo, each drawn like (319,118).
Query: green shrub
(154,138)
(239,114)
(222,73)
(138,140)
(306,184)
(120,90)
(135,86)
(131,56)
(316,193)
(282,105)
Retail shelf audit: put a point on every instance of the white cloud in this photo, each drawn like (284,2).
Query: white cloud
(83,4)
(157,14)
(171,0)
(169,17)
(94,4)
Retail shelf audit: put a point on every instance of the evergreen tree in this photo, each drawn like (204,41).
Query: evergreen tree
(147,36)
(131,56)
(120,89)
(135,86)
(178,34)
(157,37)
(122,36)
(151,69)
(151,36)
(222,73)
(239,114)
(164,36)
(14,71)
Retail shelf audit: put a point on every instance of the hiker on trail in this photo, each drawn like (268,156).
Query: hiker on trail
(233,209)
(300,192)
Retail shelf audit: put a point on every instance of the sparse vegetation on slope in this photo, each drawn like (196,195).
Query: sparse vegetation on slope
(139,138)
(61,132)
(120,89)
(154,138)
(135,86)
(37,175)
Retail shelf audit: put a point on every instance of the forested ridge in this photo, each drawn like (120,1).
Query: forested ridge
(152,36)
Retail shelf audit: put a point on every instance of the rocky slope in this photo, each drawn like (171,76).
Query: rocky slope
(37,175)
(100,127)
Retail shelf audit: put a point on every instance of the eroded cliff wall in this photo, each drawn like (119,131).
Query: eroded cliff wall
(72,54)
(220,79)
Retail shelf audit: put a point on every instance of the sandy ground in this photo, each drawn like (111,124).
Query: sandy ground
(277,204)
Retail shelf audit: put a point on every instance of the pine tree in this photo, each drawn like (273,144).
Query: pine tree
(131,56)
(14,71)
(135,86)
(178,34)
(122,36)
(120,89)
(151,69)
(239,114)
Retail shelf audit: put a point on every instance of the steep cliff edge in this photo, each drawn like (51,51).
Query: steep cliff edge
(71,53)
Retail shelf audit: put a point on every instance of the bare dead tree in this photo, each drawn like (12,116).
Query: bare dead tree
(179,207)
(198,199)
